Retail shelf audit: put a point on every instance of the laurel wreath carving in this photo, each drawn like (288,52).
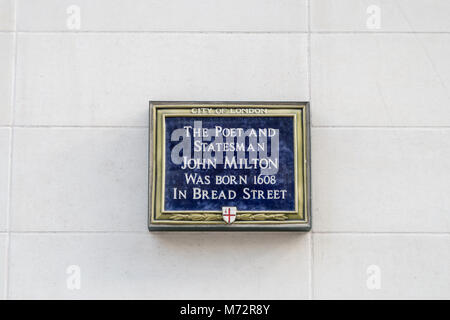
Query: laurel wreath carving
(218,217)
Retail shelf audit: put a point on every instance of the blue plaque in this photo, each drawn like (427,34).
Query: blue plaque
(229,166)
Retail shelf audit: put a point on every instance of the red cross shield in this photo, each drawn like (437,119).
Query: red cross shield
(229,214)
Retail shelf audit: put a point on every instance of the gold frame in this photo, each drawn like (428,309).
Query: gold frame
(159,111)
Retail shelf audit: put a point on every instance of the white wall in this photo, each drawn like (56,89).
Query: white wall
(73,145)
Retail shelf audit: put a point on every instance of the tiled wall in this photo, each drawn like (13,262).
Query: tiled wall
(73,145)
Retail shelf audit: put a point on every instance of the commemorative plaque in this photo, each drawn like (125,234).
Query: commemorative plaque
(229,166)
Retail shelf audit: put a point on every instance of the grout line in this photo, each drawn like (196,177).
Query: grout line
(381,127)
(156,32)
(78,232)
(220,32)
(370,233)
(309,51)
(379,32)
(311,266)
(373,233)
(75,126)
(8,210)
(11,158)
(311,236)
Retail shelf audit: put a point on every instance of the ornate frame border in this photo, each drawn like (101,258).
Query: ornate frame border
(158,219)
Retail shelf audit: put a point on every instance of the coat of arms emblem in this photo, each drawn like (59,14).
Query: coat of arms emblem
(229,214)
